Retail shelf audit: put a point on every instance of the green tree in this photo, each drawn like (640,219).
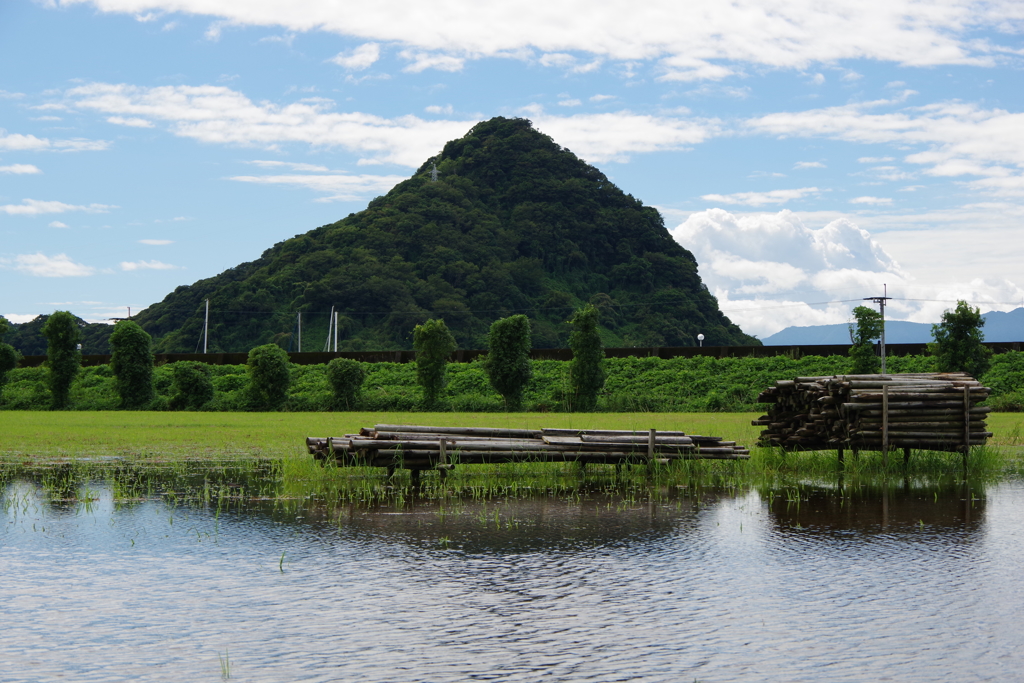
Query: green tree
(868,328)
(508,358)
(131,359)
(346,379)
(192,386)
(433,344)
(8,355)
(269,377)
(958,341)
(63,356)
(586,370)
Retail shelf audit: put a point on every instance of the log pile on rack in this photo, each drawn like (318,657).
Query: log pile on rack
(417,447)
(933,411)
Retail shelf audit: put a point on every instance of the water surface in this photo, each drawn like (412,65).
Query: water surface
(904,581)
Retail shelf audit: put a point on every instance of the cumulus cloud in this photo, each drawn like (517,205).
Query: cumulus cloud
(770,271)
(688,41)
(34,207)
(438,109)
(41,265)
(338,186)
(20,169)
(146,265)
(358,59)
(16,142)
(762,198)
(58,224)
(217,114)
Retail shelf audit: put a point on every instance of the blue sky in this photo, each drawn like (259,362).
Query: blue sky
(806,152)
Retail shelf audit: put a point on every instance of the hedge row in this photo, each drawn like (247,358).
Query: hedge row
(633,384)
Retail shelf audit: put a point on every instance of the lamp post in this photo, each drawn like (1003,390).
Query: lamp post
(700,340)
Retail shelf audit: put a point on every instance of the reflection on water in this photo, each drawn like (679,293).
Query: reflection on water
(143,576)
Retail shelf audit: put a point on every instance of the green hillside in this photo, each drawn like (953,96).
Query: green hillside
(513,224)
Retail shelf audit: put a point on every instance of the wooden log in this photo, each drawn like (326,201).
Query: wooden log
(496,432)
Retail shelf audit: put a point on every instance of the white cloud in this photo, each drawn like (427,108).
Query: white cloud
(762,198)
(959,138)
(217,114)
(768,269)
(875,160)
(156,243)
(284,164)
(421,61)
(569,103)
(874,201)
(16,142)
(20,318)
(809,164)
(437,109)
(818,79)
(133,122)
(146,265)
(687,38)
(601,98)
(58,224)
(19,169)
(41,265)
(338,186)
(34,207)
(358,59)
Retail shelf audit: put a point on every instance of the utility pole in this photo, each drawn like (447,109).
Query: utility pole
(335,331)
(299,314)
(330,323)
(206,326)
(880,300)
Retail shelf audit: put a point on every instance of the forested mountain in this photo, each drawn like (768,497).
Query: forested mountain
(513,223)
(29,340)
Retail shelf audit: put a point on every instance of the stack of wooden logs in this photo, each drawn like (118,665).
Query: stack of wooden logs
(933,411)
(418,447)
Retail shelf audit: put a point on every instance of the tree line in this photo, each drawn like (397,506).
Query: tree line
(504,379)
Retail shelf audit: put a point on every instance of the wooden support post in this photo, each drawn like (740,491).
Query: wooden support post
(650,446)
(443,460)
(906,456)
(967,426)
(414,476)
(840,452)
(885,426)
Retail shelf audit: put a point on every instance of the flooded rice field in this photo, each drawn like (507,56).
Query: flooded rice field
(201,572)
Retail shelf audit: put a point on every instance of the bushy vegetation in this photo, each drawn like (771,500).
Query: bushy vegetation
(867,329)
(434,344)
(346,379)
(508,359)
(63,357)
(586,370)
(958,341)
(191,385)
(132,362)
(514,223)
(268,377)
(8,355)
(701,384)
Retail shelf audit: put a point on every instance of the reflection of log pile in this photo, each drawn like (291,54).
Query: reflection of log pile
(417,447)
(934,411)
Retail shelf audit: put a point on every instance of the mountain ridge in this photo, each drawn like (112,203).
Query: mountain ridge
(513,224)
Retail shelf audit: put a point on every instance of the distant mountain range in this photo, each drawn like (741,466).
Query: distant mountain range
(999,327)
